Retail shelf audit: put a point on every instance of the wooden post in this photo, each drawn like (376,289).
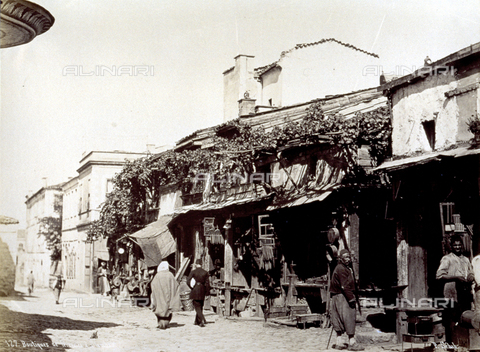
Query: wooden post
(219,303)
(402,259)
(258,302)
(206,259)
(228,299)
(291,287)
(292,292)
(228,265)
(402,279)
(206,266)
(354,237)
(198,246)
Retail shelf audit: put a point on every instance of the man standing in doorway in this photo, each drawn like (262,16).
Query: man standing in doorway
(343,312)
(456,272)
(198,281)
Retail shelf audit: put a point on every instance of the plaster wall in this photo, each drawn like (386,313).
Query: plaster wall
(168,202)
(271,87)
(73,257)
(425,100)
(325,69)
(70,205)
(37,256)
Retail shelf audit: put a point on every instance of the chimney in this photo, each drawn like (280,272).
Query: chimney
(244,68)
(45,181)
(246,107)
(239,84)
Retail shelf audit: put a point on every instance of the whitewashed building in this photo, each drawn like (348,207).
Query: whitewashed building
(83,196)
(40,205)
(306,72)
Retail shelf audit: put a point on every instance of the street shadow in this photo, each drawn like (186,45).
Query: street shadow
(383,322)
(18,328)
(175,325)
(15,296)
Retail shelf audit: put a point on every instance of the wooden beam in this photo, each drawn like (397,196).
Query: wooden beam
(354,237)
(228,264)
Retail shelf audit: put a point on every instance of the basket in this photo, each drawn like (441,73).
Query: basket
(187,303)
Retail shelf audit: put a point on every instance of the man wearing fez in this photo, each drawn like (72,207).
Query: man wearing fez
(456,272)
(199,282)
(343,312)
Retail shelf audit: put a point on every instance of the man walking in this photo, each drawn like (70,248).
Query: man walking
(342,289)
(165,296)
(30,282)
(456,272)
(198,281)
(58,286)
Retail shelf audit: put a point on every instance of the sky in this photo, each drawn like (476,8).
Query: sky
(52,111)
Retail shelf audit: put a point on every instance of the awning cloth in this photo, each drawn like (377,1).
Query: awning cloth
(426,158)
(156,241)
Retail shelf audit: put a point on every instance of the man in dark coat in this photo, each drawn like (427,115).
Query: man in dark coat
(342,289)
(198,281)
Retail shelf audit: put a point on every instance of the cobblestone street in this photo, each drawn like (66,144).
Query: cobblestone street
(90,323)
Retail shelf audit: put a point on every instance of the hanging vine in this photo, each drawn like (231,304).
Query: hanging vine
(137,188)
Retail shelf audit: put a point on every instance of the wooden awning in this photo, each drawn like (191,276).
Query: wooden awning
(407,162)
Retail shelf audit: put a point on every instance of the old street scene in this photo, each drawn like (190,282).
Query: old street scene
(271,176)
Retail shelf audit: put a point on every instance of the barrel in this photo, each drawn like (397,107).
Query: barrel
(187,303)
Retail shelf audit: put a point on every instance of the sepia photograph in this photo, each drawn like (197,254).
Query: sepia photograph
(270,175)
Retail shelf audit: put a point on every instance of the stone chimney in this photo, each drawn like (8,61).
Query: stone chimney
(246,107)
(239,85)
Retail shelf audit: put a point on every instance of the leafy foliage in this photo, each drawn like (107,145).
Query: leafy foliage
(138,187)
(51,228)
(473,124)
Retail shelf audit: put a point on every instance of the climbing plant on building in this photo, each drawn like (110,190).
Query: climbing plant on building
(50,227)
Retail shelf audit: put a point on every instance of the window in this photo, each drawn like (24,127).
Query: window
(265,230)
(429,127)
(71,265)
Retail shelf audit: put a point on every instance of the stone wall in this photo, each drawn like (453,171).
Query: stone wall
(7,273)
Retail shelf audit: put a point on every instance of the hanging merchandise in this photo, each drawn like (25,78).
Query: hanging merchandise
(267,258)
(216,237)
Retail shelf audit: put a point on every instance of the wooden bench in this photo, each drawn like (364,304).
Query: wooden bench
(303,319)
(297,309)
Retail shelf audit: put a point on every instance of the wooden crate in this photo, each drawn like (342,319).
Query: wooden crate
(304,319)
(297,309)
(276,312)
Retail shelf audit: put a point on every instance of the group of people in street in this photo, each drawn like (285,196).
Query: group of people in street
(455,272)
(165,297)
